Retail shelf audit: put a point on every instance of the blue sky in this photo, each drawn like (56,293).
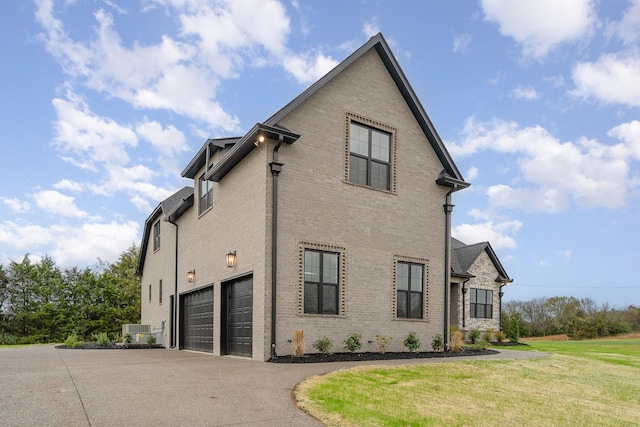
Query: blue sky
(104,102)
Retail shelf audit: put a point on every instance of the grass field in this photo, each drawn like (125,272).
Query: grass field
(581,383)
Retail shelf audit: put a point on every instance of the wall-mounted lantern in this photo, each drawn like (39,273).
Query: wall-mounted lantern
(191,276)
(231,259)
(259,141)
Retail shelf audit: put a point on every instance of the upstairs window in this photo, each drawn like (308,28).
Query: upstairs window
(409,288)
(481,305)
(321,285)
(369,157)
(156,236)
(206,195)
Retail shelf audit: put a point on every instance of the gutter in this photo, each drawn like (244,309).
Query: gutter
(174,321)
(276,168)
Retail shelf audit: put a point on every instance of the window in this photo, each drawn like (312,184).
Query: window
(321,282)
(206,195)
(149,293)
(156,236)
(481,305)
(410,282)
(160,292)
(369,157)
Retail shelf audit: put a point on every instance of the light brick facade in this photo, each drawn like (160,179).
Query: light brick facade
(319,208)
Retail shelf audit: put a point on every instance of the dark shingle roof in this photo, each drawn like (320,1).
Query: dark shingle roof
(181,198)
(463,256)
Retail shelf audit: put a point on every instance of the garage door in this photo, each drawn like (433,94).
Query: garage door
(196,320)
(238,325)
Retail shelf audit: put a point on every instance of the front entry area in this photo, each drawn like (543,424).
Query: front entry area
(196,320)
(237,317)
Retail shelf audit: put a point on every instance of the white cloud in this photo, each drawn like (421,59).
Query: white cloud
(566,254)
(309,68)
(554,174)
(612,79)
(371,28)
(501,234)
(461,43)
(70,245)
(168,141)
(628,28)
(539,26)
(66,184)
(17,206)
(527,93)
(472,173)
(90,138)
(56,203)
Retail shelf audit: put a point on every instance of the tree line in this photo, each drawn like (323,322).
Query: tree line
(41,302)
(577,318)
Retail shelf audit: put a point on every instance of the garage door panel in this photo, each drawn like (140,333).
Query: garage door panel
(239,321)
(196,320)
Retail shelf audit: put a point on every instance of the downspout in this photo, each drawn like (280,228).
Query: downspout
(174,321)
(276,168)
(464,304)
(448,208)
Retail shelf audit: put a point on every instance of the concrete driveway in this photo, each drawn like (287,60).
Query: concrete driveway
(44,386)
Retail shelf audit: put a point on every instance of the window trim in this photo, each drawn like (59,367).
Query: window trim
(342,284)
(160,292)
(424,262)
(473,306)
(378,126)
(156,236)
(205,202)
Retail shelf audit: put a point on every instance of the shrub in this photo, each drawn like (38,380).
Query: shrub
(352,343)
(151,340)
(437,343)
(8,339)
(77,344)
(514,330)
(474,334)
(101,338)
(71,340)
(382,343)
(481,345)
(500,336)
(298,343)
(488,335)
(412,342)
(323,345)
(457,341)
(128,339)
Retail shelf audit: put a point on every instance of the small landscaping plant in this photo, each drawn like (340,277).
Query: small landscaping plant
(298,344)
(457,341)
(151,340)
(488,335)
(353,343)
(72,341)
(101,338)
(474,334)
(499,336)
(323,345)
(480,345)
(437,343)
(382,343)
(128,339)
(412,342)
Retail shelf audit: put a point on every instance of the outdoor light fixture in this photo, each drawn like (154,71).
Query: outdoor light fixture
(259,141)
(191,276)
(231,259)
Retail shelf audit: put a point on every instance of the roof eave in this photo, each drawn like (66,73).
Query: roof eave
(246,145)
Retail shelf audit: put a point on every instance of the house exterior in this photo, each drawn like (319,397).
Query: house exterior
(331,217)
(477,279)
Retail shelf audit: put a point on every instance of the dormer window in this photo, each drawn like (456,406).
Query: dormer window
(206,195)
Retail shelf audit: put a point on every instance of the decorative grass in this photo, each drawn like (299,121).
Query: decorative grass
(582,383)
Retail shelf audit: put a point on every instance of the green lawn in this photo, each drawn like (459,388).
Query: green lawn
(581,383)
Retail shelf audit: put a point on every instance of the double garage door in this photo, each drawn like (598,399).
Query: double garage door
(236,326)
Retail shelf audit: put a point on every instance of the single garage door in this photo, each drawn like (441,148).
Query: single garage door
(238,323)
(196,320)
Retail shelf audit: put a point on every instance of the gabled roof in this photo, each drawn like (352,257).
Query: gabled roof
(450,176)
(463,256)
(175,202)
(378,43)
(200,158)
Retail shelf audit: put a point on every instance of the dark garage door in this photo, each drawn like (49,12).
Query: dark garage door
(196,320)
(238,323)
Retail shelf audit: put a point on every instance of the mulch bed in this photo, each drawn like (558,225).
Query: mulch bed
(367,356)
(110,346)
